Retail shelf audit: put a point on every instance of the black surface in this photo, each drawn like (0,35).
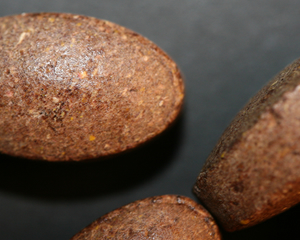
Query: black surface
(226,50)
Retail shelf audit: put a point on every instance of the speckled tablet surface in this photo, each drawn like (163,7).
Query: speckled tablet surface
(168,217)
(75,87)
(253,172)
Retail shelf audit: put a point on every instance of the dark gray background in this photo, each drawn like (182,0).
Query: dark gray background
(226,50)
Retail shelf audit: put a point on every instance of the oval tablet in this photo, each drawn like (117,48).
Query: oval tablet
(253,173)
(163,217)
(75,87)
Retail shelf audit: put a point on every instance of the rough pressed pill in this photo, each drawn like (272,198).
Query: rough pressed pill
(75,87)
(167,217)
(253,173)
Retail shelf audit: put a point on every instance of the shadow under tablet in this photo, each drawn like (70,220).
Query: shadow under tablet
(283,226)
(73,180)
